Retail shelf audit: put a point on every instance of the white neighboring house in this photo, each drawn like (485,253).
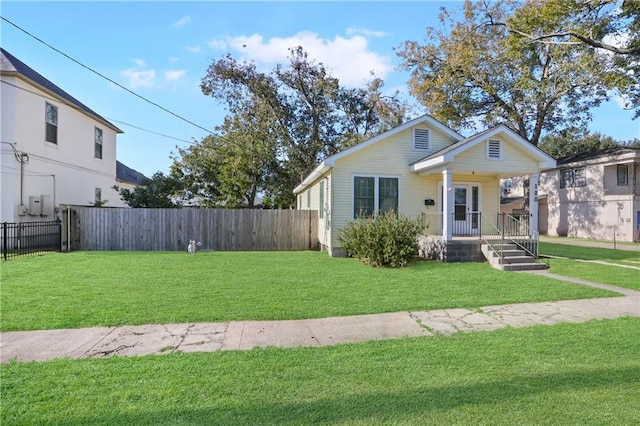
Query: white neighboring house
(54,151)
(593,195)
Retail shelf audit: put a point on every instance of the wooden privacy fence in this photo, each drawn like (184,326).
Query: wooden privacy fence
(99,228)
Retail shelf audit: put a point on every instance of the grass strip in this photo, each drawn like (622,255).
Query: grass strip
(583,374)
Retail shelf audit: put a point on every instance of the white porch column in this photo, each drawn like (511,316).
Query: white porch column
(447,205)
(534,179)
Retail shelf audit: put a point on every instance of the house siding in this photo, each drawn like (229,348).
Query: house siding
(66,172)
(324,230)
(601,209)
(389,158)
(513,161)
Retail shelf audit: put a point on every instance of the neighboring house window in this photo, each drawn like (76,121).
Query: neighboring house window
(494,149)
(321,206)
(51,118)
(374,194)
(623,174)
(570,178)
(421,139)
(97,142)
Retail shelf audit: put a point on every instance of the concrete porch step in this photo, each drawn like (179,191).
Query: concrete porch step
(516,259)
(521,266)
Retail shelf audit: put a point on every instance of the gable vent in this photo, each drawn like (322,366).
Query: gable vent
(494,149)
(421,139)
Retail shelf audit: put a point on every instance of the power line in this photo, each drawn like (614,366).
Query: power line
(108,118)
(105,77)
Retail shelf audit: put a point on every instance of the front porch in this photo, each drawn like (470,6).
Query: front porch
(507,243)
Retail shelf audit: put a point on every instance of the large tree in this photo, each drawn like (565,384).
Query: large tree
(470,69)
(308,114)
(229,169)
(571,141)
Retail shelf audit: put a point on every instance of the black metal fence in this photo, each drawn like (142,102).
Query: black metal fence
(24,238)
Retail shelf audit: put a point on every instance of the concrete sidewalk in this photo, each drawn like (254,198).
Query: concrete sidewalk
(241,335)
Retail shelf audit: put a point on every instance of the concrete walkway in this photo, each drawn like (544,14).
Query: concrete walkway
(240,335)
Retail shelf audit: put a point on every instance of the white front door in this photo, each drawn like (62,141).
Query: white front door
(466,205)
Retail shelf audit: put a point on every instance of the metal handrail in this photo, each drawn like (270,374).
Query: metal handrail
(499,234)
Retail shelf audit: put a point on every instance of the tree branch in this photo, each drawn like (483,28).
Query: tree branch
(544,38)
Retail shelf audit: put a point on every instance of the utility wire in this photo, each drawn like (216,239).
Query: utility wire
(105,77)
(108,118)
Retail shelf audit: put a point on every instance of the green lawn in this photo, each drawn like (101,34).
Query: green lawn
(625,257)
(83,289)
(621,277)
(573,374)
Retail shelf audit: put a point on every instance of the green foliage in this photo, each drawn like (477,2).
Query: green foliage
(230,169)
(304,116)
(160,191)
(573,141)
(483,66)
(386,240)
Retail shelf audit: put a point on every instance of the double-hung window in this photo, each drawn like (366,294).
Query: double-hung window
(51,123)
(97,142)
(623,174)
(374,194)
(570,178)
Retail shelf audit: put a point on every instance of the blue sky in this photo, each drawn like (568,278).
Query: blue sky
(161,50)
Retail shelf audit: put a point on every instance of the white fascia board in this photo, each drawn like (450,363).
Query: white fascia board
(432,162)
(322,168)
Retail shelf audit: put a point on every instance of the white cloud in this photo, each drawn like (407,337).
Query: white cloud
(138,76)
(351,31)
(218,44)
(182,22)
(349,59)
(174,59)
(193,49)
(172,75)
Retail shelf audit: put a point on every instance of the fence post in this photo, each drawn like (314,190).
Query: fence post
(4,240)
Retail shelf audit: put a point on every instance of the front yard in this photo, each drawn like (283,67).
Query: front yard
(563,374)
(84,289)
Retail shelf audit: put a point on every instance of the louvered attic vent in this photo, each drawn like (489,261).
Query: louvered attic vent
(494,149)
(421,139)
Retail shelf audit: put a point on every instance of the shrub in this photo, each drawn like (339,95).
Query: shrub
(386,240)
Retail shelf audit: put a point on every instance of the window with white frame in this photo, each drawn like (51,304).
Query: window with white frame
(573,177)
(51,123)
(421,140)
(374,194)
(494,149)
(623,174)
(97,142)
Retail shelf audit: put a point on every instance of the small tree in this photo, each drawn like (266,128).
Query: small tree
(160,191)
(386,240)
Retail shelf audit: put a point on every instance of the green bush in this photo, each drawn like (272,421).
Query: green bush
(386,240)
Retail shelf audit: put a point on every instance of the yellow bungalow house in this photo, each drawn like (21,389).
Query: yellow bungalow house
(425,169)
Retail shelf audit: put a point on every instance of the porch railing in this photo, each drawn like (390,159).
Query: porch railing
(514,225)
